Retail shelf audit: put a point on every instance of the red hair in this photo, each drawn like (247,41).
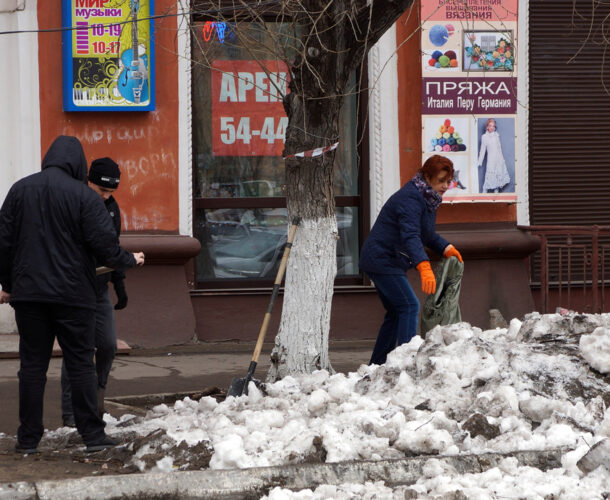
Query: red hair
(435,165)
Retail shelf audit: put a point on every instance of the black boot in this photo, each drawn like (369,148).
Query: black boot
(26,450)
(69,420)
(102,444)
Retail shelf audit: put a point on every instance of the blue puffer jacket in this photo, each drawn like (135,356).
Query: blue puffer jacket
(403,228)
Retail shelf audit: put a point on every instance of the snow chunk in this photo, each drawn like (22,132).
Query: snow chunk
(595,348)
(166,464)
(319,399)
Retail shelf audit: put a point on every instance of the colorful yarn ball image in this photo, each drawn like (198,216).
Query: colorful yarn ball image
(495,57)
(439,35)
(447,140)
(447,59)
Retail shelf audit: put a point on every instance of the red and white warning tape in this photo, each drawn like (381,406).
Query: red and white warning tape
(313,152)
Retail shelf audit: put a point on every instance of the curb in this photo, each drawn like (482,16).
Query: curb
(241,347)
(9,347)
(256,482)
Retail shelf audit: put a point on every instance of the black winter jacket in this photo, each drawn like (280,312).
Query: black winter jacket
(117,275)
(53,229)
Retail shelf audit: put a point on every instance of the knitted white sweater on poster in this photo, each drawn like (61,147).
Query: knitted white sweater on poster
(496,173)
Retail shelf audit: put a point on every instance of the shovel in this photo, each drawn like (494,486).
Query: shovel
(239,386)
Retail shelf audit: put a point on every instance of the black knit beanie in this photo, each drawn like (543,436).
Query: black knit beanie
(105,172)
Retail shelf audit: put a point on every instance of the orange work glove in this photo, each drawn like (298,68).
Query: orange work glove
(428,282)
(451,251)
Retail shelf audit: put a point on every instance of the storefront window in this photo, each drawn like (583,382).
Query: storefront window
(238,138)
(248,242)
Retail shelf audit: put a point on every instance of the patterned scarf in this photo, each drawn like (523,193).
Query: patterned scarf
(432,198)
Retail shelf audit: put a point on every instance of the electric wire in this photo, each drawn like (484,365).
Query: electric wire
(204,12)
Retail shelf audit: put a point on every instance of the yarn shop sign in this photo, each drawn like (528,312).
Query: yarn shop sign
(248,117)
(108,55)
(469,94)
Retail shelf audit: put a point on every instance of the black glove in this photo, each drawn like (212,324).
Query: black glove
(119,288)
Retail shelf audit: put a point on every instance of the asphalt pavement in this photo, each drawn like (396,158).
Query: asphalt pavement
(167,370)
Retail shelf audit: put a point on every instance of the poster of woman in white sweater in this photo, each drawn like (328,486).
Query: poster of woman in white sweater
(496,168)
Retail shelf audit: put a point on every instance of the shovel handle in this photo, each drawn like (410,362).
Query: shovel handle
(276,288)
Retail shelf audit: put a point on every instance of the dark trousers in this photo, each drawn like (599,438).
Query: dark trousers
(105,350)
(38,324)
(402,314)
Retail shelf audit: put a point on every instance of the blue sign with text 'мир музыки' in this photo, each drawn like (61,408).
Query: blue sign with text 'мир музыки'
(108,55)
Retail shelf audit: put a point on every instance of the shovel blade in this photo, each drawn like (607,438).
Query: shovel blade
(239,386)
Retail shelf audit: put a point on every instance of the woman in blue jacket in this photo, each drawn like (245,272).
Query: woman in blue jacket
(405,225)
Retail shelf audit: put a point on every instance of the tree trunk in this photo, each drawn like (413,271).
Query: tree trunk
(335,39)
(301,345)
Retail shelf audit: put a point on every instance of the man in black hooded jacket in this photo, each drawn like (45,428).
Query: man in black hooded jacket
(53,228)
(104,178)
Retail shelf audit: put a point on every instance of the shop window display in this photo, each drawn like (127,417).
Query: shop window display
(238,140)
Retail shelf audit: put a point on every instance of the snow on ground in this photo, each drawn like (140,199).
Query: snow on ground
(540,384)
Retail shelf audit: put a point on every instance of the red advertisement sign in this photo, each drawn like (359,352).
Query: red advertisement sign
(248,117)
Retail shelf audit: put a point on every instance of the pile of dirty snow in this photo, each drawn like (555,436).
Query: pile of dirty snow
(541,384)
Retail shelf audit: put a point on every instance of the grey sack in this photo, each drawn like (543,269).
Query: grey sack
(442,307)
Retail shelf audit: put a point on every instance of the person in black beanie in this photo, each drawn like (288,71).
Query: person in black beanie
(104,176)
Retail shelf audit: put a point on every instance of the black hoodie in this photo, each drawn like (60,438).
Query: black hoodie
(53,228)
